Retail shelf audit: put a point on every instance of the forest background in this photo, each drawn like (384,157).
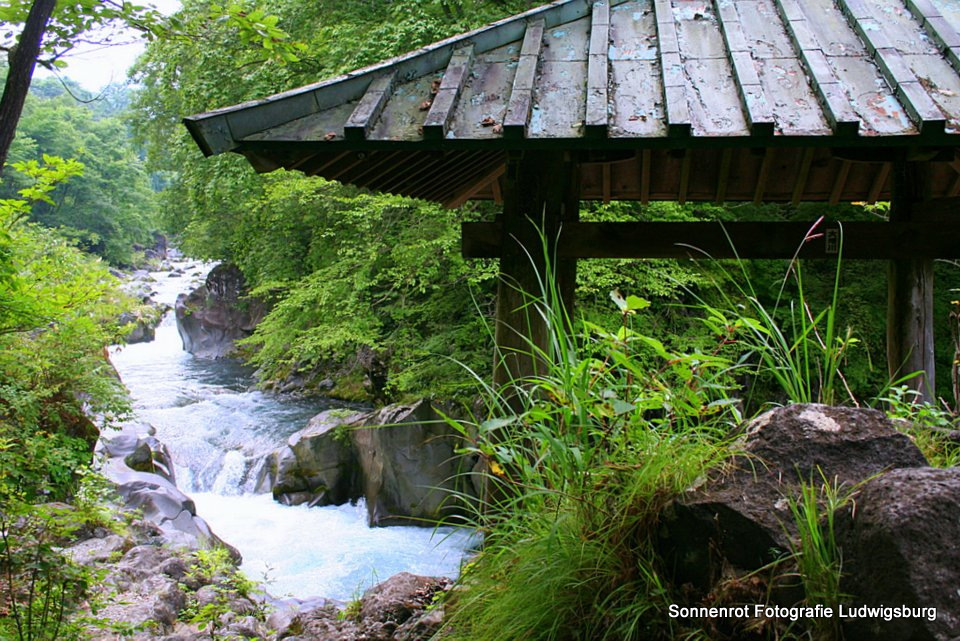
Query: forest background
(349,273)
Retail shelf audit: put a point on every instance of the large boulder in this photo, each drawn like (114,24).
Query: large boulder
(317,466)
(742,519)
(402,459)
(412,473)
(214,316)
(900,550)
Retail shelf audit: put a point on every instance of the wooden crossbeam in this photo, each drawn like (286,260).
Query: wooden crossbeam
(517,118)
(598,70)
(438,119)
(365,115)
(777,240)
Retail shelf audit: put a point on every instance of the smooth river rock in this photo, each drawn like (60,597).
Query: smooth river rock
(402,459)
(412,473)
(142,473)
(318,465)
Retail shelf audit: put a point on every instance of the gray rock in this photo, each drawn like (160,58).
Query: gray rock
(154,602)
(97,550)
(900,549)
(742,519)
(318,464)
(400,597)
(159,499)
(411,471)
(215,315)
(423,625)
(150,455)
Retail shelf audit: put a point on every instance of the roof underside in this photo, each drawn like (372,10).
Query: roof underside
(775,100)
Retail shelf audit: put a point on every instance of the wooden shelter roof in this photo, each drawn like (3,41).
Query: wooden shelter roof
(773,100)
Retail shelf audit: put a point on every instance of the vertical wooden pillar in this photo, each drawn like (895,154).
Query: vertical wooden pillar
(910,291)
(540,192)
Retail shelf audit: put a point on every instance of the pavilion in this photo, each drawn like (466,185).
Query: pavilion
(685,100)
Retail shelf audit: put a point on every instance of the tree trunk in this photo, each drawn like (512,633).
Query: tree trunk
(23,59)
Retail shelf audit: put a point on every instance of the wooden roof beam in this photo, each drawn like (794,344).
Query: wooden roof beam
(878,182)
(840,182)
(763,175)
(364,116)
(684,187)
(723,175)
(318,163)
(800,186)
(752,96)
(391,159)
(829,90)
(487,176)
(671,71)
(645,160)
(448,172)
(414,167)
(437,124)
(517,118)
(921,108)
(598,71)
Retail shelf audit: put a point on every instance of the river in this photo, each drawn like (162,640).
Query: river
(217,429)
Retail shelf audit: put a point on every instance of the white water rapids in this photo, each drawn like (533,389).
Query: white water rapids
(217,430)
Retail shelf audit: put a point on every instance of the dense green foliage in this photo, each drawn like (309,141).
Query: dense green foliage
(57,313)
(353,272)
(113,206)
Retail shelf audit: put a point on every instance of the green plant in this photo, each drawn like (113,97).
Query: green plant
(44,589)
(214,567)
(801,349)
(819,559)
(933,428)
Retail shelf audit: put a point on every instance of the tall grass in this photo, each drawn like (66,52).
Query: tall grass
(581,458)
(818,557)
(800,348)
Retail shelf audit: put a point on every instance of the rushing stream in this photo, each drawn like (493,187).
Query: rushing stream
(217,431)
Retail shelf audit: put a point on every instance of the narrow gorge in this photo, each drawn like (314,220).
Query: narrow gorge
(226,439)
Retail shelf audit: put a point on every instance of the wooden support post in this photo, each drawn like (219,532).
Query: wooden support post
(910,291)
(540,193)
